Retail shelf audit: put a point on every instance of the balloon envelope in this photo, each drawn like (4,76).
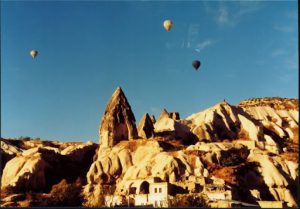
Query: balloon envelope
(33,53)
(196,64)
(168,25)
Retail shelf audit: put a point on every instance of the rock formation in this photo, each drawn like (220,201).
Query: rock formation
(152,117)
(26,172)
(118,121)
(164,114)
(168,127)
(251,150)
(166,124)
(145,127)
(278,123)
(7,152)
(138,159)
(38,168)
(174,115)
(223,121)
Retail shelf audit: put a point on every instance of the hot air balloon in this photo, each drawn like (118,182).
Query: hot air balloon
(168,25)
(196,64)
(33,53)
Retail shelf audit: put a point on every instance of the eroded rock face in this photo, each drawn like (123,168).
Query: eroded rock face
(224,121)
(282,123)
(7,152)
(276,176)
(37,169)
(168,127)
(26,171)
(261,168)
(140,159)
(164,114)
(9,148)
(118,121)
(145,128)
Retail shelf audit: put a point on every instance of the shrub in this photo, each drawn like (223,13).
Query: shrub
(6,191)
(26,138)
(233,157)
(64,194)
(243,134)
(187,200)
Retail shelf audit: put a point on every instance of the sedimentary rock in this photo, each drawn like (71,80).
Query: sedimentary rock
(174,115)
(25,172)
(261,165)
(223,121)
(145,127)
(118,121)
(139,159)
(7,152)
(276,175)
(152,117)
(38,168)
(164,114)
(9,148)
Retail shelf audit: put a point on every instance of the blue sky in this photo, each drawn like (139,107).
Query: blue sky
(87,49)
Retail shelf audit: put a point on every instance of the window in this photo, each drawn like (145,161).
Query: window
(155,190)
(159,190)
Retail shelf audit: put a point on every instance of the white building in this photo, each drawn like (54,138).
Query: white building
(158,196)
(148,192)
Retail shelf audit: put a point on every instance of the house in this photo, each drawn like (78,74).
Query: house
(159,194)
(148,192)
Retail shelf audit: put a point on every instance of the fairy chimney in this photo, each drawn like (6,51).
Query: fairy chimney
(145,128)
(118,121)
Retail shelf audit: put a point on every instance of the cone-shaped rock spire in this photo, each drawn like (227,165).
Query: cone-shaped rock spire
(118,121)
(145,128)
(164,114)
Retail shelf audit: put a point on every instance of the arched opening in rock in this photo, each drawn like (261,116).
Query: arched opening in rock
(144,189)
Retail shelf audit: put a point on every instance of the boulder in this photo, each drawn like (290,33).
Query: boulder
(118,121)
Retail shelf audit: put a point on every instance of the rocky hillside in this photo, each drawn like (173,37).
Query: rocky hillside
(251,149)
(231,143)
(276,103)
(35,166)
